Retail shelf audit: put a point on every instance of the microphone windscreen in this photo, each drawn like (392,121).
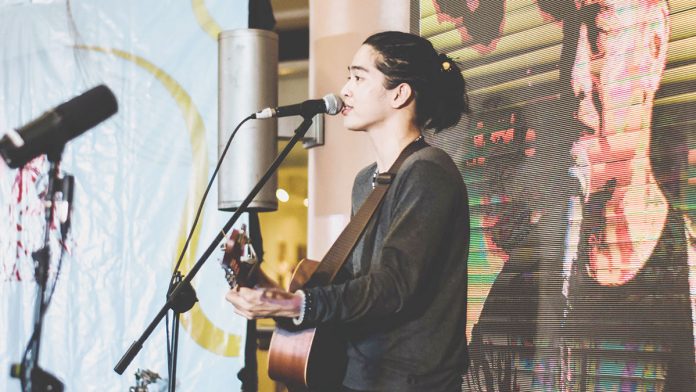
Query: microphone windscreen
(334,104)
(86,111)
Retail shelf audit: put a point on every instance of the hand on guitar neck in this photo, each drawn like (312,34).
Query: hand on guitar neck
(253,293)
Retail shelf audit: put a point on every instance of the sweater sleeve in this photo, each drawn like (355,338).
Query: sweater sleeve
(423,209)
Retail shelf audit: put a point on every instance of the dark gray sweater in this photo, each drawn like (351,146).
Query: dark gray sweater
(402,300)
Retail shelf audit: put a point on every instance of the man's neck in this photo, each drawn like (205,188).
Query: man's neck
(389,140)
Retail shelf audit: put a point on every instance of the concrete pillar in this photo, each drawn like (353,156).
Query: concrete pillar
(337,28)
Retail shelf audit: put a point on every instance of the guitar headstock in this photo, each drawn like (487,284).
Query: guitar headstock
(239,261)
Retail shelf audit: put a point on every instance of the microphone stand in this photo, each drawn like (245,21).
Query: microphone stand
(182,298)
(184,302)
(32,377)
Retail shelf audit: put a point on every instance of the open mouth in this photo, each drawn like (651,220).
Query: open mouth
(346,109)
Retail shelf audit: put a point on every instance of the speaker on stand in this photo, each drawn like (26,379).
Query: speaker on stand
(247,82)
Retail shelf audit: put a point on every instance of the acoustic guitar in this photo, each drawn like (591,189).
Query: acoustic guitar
(311,359)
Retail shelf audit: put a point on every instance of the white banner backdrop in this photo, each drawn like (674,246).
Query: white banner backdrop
(139,177)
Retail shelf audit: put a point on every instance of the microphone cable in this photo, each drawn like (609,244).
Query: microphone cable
(193,227)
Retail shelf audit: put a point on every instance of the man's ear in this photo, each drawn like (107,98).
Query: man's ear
(402,95)
(657,36)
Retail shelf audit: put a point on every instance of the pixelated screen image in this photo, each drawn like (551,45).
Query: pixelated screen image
(580,160)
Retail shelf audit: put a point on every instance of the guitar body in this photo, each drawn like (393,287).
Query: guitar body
(310,359)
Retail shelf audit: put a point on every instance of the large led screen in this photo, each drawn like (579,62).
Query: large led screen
(580,161)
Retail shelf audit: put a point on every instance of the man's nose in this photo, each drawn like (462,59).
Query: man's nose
(345,90)
(588,105)
(581,77)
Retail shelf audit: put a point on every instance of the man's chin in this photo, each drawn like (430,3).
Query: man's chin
(352,127)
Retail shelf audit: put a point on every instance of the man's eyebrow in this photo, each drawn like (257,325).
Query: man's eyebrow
(357,68)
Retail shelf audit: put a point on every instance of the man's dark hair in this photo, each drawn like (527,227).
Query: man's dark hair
(437,82)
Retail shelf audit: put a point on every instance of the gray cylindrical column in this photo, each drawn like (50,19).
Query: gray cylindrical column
(247,82)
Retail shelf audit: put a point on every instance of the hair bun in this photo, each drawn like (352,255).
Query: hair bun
(445,62)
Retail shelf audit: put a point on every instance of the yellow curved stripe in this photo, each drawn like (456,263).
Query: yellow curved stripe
(207,23)
(199,326)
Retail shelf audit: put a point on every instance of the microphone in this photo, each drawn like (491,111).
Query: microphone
(330,104)
(57,126)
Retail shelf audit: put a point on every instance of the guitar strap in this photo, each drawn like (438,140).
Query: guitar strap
(341,249)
